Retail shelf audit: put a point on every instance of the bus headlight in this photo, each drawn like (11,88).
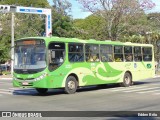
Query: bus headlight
(41,77)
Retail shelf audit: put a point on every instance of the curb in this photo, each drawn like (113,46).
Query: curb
(156,76)
(6,78)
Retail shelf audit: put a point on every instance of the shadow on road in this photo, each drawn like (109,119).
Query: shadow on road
(33,92)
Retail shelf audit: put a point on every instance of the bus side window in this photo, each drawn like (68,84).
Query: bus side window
(106,53)
(129,57)
(118,58)
(128,53)
(92,53)
(92,58)
(96,57)
(118,53)
(147,54)
(137,54)
(137,58)
(75,53)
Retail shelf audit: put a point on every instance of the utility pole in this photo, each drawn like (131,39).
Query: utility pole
(12,43)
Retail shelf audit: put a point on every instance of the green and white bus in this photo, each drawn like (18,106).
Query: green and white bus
(53,62)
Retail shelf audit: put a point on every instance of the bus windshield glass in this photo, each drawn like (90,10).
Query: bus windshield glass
(30,54)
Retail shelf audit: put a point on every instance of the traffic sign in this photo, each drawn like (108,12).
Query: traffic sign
(30,10)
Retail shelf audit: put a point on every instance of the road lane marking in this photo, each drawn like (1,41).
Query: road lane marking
(149,91)
(156,94)
(7,90)
(142,89)
(5,82)
(128,88)
(4,92)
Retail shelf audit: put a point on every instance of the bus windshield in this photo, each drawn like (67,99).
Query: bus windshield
(29,56)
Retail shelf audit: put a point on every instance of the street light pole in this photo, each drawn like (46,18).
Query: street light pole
(12,43)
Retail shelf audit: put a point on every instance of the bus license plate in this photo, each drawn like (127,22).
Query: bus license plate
(25,83)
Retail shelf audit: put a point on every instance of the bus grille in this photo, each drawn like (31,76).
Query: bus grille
(25,79)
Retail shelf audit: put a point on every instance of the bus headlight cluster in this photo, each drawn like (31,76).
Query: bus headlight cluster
(41,77)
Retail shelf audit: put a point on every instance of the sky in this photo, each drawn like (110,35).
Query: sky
(77,12)
(157,7)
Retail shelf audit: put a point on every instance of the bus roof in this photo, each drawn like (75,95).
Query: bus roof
(77,40)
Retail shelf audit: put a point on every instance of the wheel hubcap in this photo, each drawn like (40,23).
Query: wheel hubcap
(71,85)
(127,80)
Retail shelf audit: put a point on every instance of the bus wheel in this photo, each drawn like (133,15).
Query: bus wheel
(71,85)
(127,80)
(42,90)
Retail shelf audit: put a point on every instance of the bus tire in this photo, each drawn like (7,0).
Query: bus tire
(127,80)
(71,85)
(42,90)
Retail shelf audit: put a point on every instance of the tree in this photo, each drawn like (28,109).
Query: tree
(90,28)
(26,3)
(154,21)
(62,23)
(62,6)
(116,13)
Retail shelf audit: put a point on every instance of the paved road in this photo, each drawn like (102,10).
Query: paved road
(143,96)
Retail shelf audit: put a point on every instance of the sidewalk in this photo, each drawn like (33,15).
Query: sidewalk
(9,76)
(157,75)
